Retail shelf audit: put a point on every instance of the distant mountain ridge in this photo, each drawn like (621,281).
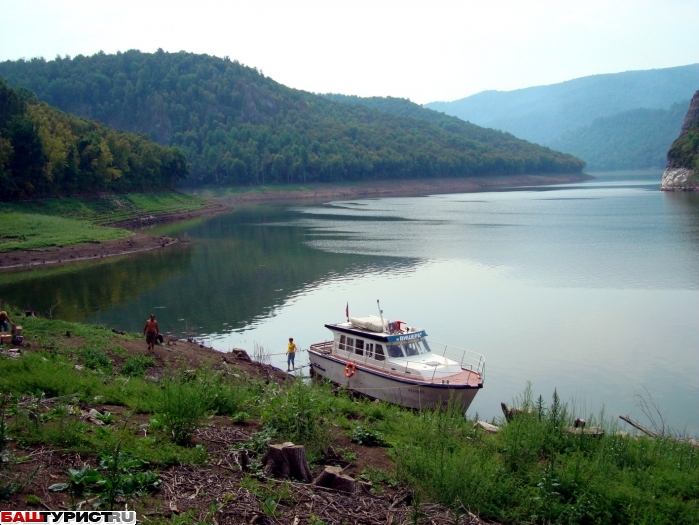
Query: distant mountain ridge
(634,139)
(542,113)
(237,126)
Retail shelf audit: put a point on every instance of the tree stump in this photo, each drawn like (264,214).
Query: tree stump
(287,461)
(333,478)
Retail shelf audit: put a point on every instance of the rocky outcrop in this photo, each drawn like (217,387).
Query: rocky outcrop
(682,169)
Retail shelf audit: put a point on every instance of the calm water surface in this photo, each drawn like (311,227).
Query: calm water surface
(592,289)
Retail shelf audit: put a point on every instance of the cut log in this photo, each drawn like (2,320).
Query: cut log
(275,462)
(590,431)
(333,478)
(514,411)
(298,464)
(490,429)
(287,461)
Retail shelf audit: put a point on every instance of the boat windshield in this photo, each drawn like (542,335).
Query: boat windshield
(416,348)
(394,351)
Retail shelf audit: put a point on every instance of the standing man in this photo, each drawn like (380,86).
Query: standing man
(290,354)
(5,321)
(151,331)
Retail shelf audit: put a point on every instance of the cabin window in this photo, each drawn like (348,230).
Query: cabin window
(394,351)
(342,342)
(359,347)
(350,344)
(378,353)
(369,350)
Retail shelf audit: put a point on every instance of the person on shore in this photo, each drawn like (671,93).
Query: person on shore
(5,321)
(151,332)
(290,354)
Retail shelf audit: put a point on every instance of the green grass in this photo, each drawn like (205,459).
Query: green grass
(109,208)
(20,231)
(533,471)
(69,221)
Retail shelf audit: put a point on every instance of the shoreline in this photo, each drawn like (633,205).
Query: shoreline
(135,243)
(139,242)
(374,189)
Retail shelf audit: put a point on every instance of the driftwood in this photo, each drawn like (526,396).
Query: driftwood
(490,429)
(590,431)
(287,461)
(639,427)
(510,413)
(650,433)
(333,478)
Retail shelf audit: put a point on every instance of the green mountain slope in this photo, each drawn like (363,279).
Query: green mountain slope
(684,152)
(238,127)
(543,113)
(46,152)
(634,139)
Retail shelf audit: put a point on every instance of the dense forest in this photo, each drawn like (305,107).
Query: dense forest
(237,126)
(46,152)
(684,152)
(634,139)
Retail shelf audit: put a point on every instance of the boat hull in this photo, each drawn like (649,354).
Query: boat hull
(395,390)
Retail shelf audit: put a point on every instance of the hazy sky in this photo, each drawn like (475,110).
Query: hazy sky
(422,50)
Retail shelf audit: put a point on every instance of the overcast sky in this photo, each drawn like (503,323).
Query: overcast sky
(422,50)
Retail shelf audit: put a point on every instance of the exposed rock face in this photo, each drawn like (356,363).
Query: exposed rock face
(682,170)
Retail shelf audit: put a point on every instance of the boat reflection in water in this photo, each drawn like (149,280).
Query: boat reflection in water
(393,361)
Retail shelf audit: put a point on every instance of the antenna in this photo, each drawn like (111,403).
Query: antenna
(383,325)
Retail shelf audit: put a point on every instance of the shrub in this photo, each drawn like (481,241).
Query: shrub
(97,359)
(136,365)
(181,405)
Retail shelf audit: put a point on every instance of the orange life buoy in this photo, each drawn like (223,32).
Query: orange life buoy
(350,369)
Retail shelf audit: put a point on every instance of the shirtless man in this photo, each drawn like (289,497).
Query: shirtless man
(5,321)
(151,332)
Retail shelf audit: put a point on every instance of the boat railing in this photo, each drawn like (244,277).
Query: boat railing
(325,347)
(468,359)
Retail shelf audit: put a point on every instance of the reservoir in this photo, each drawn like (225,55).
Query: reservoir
(591,289)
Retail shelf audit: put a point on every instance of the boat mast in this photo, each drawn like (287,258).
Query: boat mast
(383,325)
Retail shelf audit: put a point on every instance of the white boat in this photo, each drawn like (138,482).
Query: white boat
(394,362)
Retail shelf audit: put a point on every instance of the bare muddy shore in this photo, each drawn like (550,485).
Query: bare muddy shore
(81,252)
(371,189)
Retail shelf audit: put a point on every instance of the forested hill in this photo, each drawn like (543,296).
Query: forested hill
(46,152)
(639,138)
(406,108)
(237,126)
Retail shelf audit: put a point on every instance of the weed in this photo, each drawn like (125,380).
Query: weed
(33,500)
(269,507)
(367,437)
(379,476)
(136,365)
(181,407)
(97,359)
(298,414)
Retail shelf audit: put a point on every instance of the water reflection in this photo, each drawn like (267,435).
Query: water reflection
(230,272)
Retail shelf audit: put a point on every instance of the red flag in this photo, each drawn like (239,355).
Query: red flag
(347,311)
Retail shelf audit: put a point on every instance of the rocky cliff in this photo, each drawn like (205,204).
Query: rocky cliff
(682,170)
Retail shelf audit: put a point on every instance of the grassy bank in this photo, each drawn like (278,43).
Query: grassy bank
(64,222)
(190,410)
